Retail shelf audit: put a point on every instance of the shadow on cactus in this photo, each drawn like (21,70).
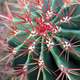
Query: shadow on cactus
(44,41)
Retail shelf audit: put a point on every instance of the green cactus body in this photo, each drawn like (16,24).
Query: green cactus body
(46,38)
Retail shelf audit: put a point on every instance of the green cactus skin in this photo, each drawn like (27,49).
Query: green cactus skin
(46,40)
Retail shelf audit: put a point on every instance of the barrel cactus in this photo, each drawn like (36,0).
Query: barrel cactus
(44,39)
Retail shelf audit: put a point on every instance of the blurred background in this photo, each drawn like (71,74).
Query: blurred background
(3,41)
